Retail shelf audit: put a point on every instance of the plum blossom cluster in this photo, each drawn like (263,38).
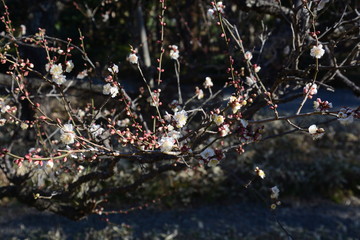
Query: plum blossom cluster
(57,72)
(174,52)
(311,89)
(322,106)
(211,157)
(218,7)
(347,115)
(316,132)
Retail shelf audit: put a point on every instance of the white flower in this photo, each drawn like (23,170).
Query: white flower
(24,126)
(56,69)
(257,68)
(96,130)
(2,122)
(317,51)
(312,87)
(346,115)
(59,79)
(67,134)
(174,134)
(167,116)
(80,168)
(166,144)
(274,192)
(208,83)
(207,153)
(69,66)
(199,93)
(260,172)
(50,164)
(250,81)
(174,52)
(82,74)
(220,7)
(211,13)
(47,67)
(180,118)
(316,132)
(114,69)
(133,58)
(225,130)
(213,162)
(248,55)
(234,103)
(109,89)
(218,119)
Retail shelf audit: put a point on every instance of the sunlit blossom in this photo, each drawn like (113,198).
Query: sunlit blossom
(133,58)
(108,89)
(208,82)
(166,144)
(180,118)
(114,69)
(69,66)
(67,134)
(174,52)
(248,55)
(218,119)
(317,51)
(56,69)
(96,130)
(316,132)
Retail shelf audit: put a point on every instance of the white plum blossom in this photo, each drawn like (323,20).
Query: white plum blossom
(208,82)
(108,89)
(174,134)
(166,144)
(96,130)
(174,52)
(59,79)
(234,103)
(316,132)
(114,69)
(317,51)
(257,68)
(312,87)
(260,172)
(213,162)
(69,66)
(56,69)
(2,122)
(211,13)
(322,106)
(218,119)
(180,118)
(207,153)
(49,164)
(248,55)
(346,115)
(274,192)
(199,93)
(133,58)
(82,74)
(224,130)
(250,81)
(67,134)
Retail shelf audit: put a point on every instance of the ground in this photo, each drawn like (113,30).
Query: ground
(320,220)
